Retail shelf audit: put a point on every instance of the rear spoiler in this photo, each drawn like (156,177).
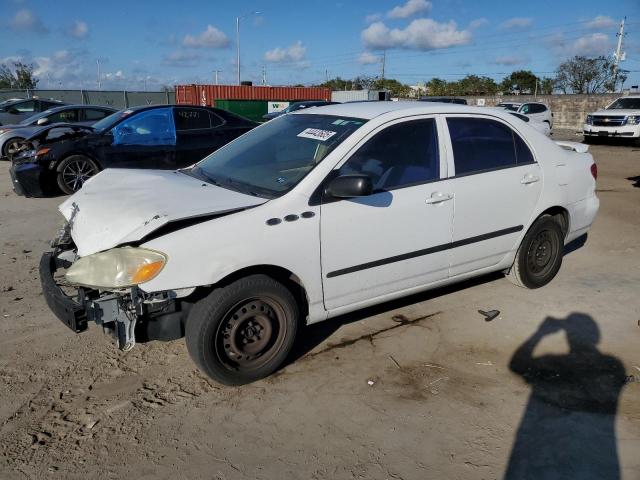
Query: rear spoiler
(575,146)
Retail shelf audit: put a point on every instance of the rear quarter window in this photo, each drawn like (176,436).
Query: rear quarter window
(191,119)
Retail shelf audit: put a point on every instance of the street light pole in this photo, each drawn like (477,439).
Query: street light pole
(238,42)
(238,48)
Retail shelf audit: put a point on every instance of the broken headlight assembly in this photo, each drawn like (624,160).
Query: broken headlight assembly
(116,268)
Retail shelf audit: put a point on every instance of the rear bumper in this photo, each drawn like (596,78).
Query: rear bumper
(625,131)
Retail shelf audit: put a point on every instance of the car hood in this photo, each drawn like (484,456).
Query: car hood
(617,111)
(125,205)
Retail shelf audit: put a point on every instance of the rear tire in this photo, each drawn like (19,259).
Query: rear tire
(73,171)
(244,331)
(539,256)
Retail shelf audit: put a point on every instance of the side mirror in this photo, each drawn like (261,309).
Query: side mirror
(350,186)
(42,121)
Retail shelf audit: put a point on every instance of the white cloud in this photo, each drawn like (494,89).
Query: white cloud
(210,38)
(600,22)
(420,34)
(510,60)
(78,29)
(590,45)
(477,23)
(26,21)
(409,9)
(368,58)
(292,53)
(181,58)
(516,23)
(374,17)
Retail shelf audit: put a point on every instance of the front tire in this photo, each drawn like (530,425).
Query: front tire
(11,147)
(74,171)
(244,331)
(539,256)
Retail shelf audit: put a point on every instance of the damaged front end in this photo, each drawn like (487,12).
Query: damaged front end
(129,314)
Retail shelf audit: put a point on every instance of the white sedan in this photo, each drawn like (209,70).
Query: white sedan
(310,216)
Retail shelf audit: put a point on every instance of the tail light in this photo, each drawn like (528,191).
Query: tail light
(594,171)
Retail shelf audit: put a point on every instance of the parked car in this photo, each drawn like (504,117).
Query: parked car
(16,111)
(11,136)
(535,110)
(295,106)
(542,127)
(312,215)
(620,119)
(458,100)
(161,136)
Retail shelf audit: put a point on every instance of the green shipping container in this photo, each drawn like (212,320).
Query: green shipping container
(251,109)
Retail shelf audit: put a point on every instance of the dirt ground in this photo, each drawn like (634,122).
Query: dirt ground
(422,388)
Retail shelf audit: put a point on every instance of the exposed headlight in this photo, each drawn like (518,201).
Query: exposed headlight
(589,120)
(2,130)
(632,120)
(116,268)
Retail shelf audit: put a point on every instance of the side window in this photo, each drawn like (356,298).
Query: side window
(66,116)
(150,127)
(523,154)
(191,119)
(92,115)
(525,109)
(400,155)
(480,144)
(216,121)
(537,108)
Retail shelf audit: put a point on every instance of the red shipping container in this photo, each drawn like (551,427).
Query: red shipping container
(206,94)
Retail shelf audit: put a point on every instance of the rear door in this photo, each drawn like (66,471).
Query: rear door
(396,238)
(496,185)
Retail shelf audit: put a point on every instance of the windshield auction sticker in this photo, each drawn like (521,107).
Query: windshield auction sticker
(317,134)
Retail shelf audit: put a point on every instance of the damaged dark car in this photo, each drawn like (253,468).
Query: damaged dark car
(60,158)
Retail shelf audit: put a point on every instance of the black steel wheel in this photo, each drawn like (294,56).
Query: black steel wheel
(244,331)
(74,171)
(540,254)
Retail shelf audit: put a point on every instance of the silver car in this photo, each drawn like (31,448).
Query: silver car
(12,135)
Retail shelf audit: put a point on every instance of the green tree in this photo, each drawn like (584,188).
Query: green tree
(546,86)
(20,76)
(521,80)
(586,75)
(437,87)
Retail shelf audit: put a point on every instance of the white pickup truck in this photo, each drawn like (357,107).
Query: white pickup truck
(621,119)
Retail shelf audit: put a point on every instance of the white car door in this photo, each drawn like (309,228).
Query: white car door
(496,186)
(392,240)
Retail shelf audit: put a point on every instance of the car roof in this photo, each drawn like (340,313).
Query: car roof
(369,110)
(67,107)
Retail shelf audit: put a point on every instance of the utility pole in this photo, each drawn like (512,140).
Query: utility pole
(619,55)
(384,59)
(326,75)
(238,48)
(264,75)
(216,72)
(99,79)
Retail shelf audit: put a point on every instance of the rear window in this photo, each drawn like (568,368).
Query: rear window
(191,119)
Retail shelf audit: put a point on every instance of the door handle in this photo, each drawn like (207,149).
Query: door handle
(438,197)
(529,178)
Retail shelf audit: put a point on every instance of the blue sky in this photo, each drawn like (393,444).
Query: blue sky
(164,43)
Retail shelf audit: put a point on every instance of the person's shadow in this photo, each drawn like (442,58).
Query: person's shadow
(567,430)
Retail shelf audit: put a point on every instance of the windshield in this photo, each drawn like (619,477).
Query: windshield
(510,106)
(271,159)
(107,122)
(627,103)
(34,118)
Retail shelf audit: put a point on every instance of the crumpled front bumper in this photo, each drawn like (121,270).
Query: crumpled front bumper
(129,315)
